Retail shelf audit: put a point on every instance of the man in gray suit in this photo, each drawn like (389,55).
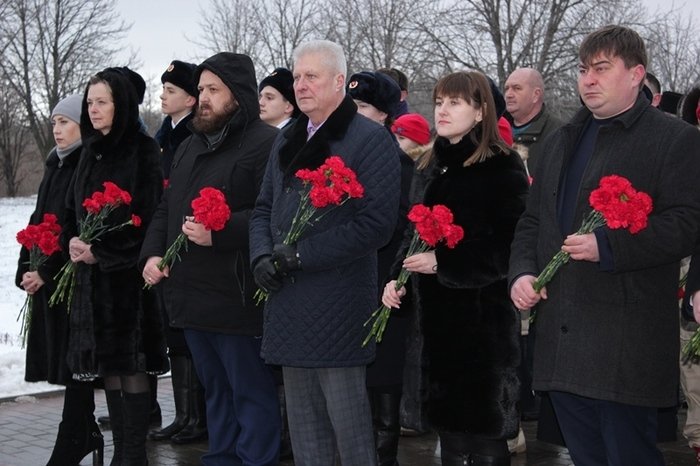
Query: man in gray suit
(607,324)
(323,287)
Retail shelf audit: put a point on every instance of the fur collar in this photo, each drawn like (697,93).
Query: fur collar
(297,153)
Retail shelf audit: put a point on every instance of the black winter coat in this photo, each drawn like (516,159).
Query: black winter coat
(47,341)
(471,331)
(614,335)
(316,319)
(169,139)
(211,288)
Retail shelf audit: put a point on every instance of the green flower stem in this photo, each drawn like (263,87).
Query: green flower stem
(691,350)
(381,315)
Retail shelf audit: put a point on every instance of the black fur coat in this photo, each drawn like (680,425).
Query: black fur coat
(470,327)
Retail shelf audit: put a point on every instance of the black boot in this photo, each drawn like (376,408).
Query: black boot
(78,435)
(116,416)
(180,367)
(196,428)
(286,441)
(454,449)
(137,409)
(156,417)
(387,428)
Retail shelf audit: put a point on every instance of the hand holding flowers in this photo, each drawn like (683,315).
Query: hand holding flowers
(327,187)
(431,227)
(210,212)
(41,241)
(616,204)
(94,225)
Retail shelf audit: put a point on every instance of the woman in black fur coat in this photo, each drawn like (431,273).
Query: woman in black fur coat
(470,327)
(116,331)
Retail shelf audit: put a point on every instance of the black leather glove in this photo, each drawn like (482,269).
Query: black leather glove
(266,275)
(286,258)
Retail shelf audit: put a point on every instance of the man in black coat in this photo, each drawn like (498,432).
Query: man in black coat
(209,292)
(324,286)
(607,342)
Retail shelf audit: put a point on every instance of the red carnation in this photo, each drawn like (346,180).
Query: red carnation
(210,209)
(135,220)
(431,227)
(327,187)
(616,204)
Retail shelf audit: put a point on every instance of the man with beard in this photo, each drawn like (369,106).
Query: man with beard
(209,292)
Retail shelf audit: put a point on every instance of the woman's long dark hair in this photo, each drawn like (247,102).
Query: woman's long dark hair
(473,87)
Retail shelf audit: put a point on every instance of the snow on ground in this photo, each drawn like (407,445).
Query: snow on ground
(14,213)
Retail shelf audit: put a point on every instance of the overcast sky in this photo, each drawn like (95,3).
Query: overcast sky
(161,28)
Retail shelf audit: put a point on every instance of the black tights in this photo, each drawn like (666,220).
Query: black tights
(133,383)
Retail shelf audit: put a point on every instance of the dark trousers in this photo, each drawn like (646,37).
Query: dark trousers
(605,433)
(243,414)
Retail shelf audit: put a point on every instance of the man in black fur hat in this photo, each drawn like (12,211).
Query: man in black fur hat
(277,104)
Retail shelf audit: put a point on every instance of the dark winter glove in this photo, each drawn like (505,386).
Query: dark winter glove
(286,258)
(266,275)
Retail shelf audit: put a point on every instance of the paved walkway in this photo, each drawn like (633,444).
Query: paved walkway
(28,428)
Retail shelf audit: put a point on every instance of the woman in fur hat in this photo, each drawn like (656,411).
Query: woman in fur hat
(116,330)
(470,327)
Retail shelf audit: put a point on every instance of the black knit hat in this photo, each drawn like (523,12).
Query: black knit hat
(181,74)
(498,99)
(282,80)
(376,89)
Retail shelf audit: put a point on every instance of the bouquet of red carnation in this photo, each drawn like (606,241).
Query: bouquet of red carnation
(327,187)
(431,227)
(92,227)
(41,241)
(209,209)
(615,204)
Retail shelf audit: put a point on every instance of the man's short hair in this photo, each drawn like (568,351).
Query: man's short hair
(614,41)
(654,82)
(333,55)
(397,75)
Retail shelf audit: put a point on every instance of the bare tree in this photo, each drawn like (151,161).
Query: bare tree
(13,141)
(674,50)
(286,23)
(230,25)
(51,48)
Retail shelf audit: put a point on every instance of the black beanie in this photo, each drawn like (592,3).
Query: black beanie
(282,80)
(376,89)
(181,74)
(498,99)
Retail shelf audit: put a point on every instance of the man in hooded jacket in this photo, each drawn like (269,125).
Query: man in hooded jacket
(209,291)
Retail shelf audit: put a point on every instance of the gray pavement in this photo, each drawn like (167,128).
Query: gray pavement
(28,428)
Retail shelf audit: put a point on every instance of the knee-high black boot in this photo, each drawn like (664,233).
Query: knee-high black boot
(156,417)
(78,434)
(387,428)
(196,428)
(137,409)
(180,367)
(116,416)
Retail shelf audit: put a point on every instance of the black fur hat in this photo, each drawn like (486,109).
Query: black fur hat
(669,102)
(282,80)
(376,89)
(181,74)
